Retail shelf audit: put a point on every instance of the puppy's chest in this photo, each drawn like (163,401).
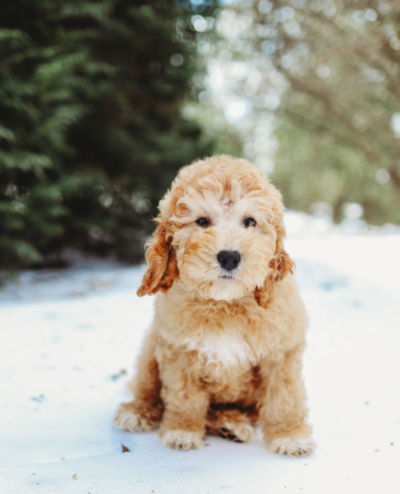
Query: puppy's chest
(224,349)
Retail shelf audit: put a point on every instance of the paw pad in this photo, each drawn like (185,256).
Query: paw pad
(239,433)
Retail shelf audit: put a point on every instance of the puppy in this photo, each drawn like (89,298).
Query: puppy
(224,351)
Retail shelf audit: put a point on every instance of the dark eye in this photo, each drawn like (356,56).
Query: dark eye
(249,222)
(203,222)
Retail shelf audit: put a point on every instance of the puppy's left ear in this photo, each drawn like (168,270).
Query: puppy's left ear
(281,265)
(162,268)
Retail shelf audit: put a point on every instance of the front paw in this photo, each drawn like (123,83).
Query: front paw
(181,439)
(292,446)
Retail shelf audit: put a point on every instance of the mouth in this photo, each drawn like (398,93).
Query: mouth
(226,276)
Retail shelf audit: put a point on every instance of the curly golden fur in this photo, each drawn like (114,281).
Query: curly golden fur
(223,353)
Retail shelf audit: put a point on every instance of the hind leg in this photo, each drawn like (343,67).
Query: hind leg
(135,416)
(145,411)
(232,424)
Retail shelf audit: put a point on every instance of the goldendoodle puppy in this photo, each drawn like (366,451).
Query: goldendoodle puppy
(225,347)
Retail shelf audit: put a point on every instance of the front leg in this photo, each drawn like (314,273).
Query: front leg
(283,414)
(186,402)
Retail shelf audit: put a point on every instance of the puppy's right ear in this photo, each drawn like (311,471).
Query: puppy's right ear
(162,269)
(281,265)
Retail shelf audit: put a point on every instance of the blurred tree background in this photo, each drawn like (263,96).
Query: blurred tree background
(327,72)
(102,101)
(339,119)
(91,123)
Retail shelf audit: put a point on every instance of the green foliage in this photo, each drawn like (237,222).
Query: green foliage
(91,127)
(312,172)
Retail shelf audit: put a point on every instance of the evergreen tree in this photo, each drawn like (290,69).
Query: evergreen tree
(91,128)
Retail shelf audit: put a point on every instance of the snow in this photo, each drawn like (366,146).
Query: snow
(67,346)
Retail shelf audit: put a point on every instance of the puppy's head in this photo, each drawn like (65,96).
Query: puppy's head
(220,231)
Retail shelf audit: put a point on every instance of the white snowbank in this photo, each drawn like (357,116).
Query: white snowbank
(67,335)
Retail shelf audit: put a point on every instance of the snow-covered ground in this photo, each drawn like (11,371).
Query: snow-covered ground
(68,338)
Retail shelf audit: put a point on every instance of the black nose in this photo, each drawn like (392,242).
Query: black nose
(228,259)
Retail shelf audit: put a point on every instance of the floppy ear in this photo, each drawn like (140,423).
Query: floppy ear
(281,264)
(162,269)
